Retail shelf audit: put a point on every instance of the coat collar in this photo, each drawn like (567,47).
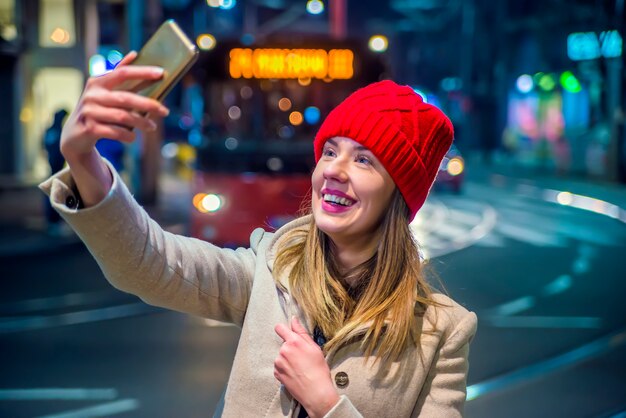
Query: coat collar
(272,249)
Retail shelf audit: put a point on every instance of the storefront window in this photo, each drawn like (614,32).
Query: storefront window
(8,30)
(57,27)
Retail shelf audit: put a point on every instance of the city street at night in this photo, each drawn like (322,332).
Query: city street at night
(474,148)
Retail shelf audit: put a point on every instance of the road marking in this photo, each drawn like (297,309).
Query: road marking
(511,308)
(586,352)
(450,234)
(102,410)
(559,285)
(56,302)
(585,203)
(80,317)
(57,394)
(529,235)
(543,321)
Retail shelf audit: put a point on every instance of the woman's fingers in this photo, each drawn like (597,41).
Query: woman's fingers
(128,75)
(100,130)
(128,58)
(284,332)
(115,116)
(128,101)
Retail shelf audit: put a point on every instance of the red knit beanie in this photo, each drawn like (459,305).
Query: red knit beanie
(408,136)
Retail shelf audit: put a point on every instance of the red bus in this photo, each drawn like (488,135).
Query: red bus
(263,106)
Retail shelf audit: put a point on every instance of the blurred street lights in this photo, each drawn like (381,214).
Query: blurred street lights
(378,43)
(314,7)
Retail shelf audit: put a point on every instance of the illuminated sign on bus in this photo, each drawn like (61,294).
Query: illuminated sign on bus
(291,63)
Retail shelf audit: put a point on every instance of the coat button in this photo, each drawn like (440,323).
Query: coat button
(341,379)
(71,202)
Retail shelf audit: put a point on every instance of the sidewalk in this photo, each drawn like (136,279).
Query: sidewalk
(23,228)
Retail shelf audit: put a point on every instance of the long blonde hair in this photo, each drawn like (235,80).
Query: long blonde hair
(391,289)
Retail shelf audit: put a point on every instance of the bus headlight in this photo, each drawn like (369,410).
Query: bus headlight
(208,202)
(455,166)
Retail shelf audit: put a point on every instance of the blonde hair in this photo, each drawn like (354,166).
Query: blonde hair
(391,288)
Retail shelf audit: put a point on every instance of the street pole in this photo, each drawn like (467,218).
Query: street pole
(616,107)
(466,55)
(621,123)
(134,34)
(338,13)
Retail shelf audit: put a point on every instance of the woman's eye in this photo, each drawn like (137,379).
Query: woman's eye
(363,160)
(328,152)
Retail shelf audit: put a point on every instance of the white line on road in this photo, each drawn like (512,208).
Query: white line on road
(529,235)
(57,394)
(102,410)
(513,307)
(558,285)
(80,317)
(434,243)
(586,352)
(544,321)
(56,302)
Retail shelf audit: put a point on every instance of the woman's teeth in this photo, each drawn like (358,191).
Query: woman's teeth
(336,199)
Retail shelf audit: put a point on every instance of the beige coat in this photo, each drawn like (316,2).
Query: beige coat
(237,286)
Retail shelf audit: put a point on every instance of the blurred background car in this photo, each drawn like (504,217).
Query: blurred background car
(451,171)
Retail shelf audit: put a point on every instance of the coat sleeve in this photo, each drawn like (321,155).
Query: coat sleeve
(137,256)
(444,391)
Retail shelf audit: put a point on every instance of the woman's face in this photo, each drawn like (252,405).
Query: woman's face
(351,190)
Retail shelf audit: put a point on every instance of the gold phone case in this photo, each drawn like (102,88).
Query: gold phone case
(170,49)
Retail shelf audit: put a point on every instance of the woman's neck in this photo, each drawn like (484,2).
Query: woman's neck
(351,253)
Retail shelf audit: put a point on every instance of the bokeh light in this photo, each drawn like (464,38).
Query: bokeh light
(231,143)
(295,118)
(312,115)
(114,57)
(206,41)
(246,92)
(284,104)
(524,83)
(314,7)
(211,202)
(227,4)
(569,82)
(60,36)
(234,112)
(378,43)
(97,65)
(275,164)
(547,82)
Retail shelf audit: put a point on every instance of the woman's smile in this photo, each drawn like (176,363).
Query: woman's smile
(335,201)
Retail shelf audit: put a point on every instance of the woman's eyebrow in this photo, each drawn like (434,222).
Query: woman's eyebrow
(357,147)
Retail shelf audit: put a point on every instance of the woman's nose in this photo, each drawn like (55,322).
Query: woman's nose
(336,170)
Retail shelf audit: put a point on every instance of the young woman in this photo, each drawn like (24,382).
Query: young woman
(336,317)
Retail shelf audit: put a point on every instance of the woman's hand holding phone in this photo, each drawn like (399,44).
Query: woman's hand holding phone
(103,112)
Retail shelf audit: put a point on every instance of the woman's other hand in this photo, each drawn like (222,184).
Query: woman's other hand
(103,112)
(301,367)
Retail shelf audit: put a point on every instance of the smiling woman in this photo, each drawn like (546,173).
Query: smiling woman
(337,317)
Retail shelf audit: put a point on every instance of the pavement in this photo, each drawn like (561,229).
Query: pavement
(24,229)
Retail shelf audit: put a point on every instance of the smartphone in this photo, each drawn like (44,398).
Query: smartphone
(170,49)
